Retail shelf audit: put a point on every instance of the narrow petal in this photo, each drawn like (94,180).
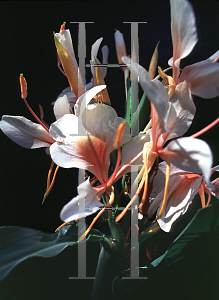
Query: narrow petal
(61,107)
(86,194)
(204,78)
(190,154)
(182,111)
(25,133)
(183,30)
(94,50)
(105,53)
(154,89)
(65,38)
(120,46)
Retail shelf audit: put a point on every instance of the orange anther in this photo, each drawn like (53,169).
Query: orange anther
(23,85)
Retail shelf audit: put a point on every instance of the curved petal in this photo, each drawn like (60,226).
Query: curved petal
(120,46)
(61,107)
(25,133)
(86,98)
(70,96)
(204,78)
(85,152)
(190,154)
(182,111)
(183,30)
(101,121)
(94,50)
(105,53)
(181,192)
(86,194)
(154,90)
(64,37)
(64,127)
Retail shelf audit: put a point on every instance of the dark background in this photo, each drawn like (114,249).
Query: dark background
(27,47)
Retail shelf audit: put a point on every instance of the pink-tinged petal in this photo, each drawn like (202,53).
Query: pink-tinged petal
(86,98)
(61,107)
(101,121)
(190,154)
(89,195)
(203,77)
(154,90)
(182,111)
(183,30)
(64,127)
(181,191)
(25,133)
(132,154)
(84,152)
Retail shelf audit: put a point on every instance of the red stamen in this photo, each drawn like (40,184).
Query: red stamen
(23,85)
(206,128)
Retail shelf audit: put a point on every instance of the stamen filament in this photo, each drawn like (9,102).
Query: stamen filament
(63,224)
(48,190)
(206,128)
(91,225)
(202,195)
(24,95)
(165,191)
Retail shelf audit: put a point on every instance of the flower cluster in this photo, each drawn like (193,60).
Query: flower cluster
(88,134)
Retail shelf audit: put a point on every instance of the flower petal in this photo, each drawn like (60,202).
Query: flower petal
(120,46)
(204,78)
(182,111)
(105,53)
(154,90)
(25,133)
(183,30)
(89,195)
(190,154)
(86,98)
(61,107)
(101,121)
(64,127)
(181,192)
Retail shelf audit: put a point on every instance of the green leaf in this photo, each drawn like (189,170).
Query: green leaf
(18,244)
(205,222)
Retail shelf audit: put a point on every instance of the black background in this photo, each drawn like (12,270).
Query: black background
(27,47)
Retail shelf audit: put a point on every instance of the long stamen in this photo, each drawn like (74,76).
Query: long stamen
(117,142)
(49,175)
(202,195)
(209,199)
(51,185)
(24,95)
(206,128)
(63,224)
(165,191)
(91,225)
